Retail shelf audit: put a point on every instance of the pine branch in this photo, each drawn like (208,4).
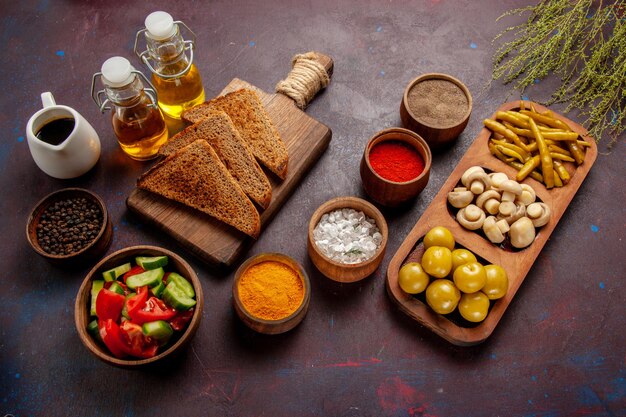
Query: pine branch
(572,40)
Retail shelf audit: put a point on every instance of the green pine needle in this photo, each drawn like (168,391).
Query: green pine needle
(584,43)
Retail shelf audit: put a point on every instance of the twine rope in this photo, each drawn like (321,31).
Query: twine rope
(306,78)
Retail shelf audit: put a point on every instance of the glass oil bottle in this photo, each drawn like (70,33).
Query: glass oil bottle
(174,74)
(137,121)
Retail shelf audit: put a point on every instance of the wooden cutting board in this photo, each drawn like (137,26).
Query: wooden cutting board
(212,241)
(516,263)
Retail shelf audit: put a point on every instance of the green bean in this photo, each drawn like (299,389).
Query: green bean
(561,171)
(528,167)
(534,174)
(511,117)
(557,179)
(577,153)
(550,121)
(511,153)
(498,127)
(544,154)
(558,149)
(514,148)
(495,152)
(561,157)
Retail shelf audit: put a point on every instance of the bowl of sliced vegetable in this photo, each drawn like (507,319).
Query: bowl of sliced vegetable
(138,305)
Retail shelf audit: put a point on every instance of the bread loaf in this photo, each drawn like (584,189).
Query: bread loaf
(195,176)
(218,130)
(254,125)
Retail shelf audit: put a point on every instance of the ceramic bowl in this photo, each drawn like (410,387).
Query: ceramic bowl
(272,326)
(437,136)
(83,301)
(346,272)
(384,191)
(90,252)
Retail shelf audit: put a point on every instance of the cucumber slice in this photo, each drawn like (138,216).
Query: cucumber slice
(116,288)
(150,278)
(151,262)
(115,273)
(93,330)
(176,298)
(182,283)
(96,286)
(160,330)
(158,290)
(125,308)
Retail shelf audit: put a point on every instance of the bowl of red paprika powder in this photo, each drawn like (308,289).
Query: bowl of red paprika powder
(395,166)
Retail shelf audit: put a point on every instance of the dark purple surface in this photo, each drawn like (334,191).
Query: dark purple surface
(560,349)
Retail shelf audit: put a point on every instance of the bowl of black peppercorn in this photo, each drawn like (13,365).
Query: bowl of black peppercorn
(70,227)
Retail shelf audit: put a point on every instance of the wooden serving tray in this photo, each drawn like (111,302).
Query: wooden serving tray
(212,241)
(516,263)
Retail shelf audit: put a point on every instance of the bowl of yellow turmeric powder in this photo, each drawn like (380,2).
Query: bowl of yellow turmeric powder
(271,293)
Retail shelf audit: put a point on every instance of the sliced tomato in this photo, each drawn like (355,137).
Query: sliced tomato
(181,319)
(137,301)
(133,271)
(136,343)
(109,305)
(153,310)
(112,337)
(142,309)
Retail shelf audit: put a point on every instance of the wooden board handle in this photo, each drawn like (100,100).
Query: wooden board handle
(298,85)
(327,62)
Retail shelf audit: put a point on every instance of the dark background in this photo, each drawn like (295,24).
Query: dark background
(559,350)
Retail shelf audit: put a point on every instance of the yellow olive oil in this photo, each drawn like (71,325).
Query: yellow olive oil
(175,95)
(140,134)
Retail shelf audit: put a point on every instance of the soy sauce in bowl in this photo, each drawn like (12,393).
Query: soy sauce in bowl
(56,131)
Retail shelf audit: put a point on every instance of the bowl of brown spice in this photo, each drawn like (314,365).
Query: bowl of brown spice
(70,227)
(271,293)
(437,107)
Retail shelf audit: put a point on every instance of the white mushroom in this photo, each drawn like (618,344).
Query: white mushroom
(489,201)
(467,173)
(527,196)
(538,213)
(497,178)
(503,225)
(510,189)
(478,182)
(493,233)
(522,233)
(507,208)
(460,197)
(519,211)
(471,217)
(492,206)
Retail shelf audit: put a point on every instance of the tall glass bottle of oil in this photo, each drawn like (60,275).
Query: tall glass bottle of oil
(170,60)
(137,121)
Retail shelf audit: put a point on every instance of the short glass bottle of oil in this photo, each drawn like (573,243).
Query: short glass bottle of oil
(137,121)
(170,60)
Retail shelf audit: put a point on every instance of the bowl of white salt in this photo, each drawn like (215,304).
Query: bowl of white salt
(347,239)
